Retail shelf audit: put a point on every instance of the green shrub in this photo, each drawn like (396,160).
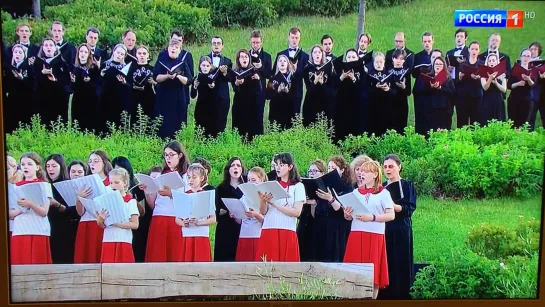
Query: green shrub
(228,13)
(519,277)
(333,8)
(460,275)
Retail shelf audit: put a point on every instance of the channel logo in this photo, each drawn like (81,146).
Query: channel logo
(489,18)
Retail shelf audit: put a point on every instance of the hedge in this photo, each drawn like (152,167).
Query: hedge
(473,162)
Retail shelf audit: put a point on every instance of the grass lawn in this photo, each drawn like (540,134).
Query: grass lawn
(440,226)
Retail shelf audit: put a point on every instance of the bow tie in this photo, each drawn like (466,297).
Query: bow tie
(26,45)
(216,55)
(292,49)
(362,52)
(459,49)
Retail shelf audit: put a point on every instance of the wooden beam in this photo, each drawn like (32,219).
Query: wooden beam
(159,280)
(51,283)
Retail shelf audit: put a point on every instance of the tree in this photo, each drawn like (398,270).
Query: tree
(361,20)
(36,9)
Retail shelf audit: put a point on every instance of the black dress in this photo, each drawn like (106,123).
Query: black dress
(206,105)
(247,107)
(51,97)
(399,245)
(436,115)
(139,74)
(64,227)
(282,107)
(331,230)
(18,103)
(351,109)
(227,229)
(469,96)
(399,108)
(319,98)
(140,235)
(85,107)
(379,101)
(115,96)
(305,234)
(519,102)
(493,105)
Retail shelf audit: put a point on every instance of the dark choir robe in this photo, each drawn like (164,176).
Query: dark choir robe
(492,105)
(247,107)
(463,51)
(265,73)
(18,102)
(399,245)
(458,51)
(469,96)
(379,101)
(422,64)
(520,102)
(331,230)
(85,100)
(5,62)
(227,229)
(64,227)
(115,97)
(187,58)
(221,110)
(319,97)
(68,52)
(51,97)
(351,110)
(5,53)
(538,95)
(31,50)
(207,100)
(143,93)
(170,99)
(436,105)
(297,85)
(140,235)
(409,59)
(508,66)
(100,55)
(131,56)
(398,112)
(281,106)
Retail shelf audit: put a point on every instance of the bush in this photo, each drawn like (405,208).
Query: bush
(227,13)
(330,8)
(519,277)
(461,275)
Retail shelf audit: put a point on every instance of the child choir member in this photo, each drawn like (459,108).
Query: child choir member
(204,163)
(117,239)
(366,242)
(250,229)
(399,233)
(380,95)
(247,112)
(204,88)
(538,90)
(99,55)
(319,81)
(469,92)
(85,77)
(89,235)
(141,78)
(115,95)
(52,76)
(398,113)
(282,93)
(129,41)
(19,83)
(195,234)
(31,229)
(494,88)
(220,111)
(67,49)
(305,226)
(520,102)
(24,32)
(62,218)
(278,241)
(14,175)
(422,64)
(164,239)
(263,64)
(170,100)
(228,230)
(299,59)
(331,229)
(351,109)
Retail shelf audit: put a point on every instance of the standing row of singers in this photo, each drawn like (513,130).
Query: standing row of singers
(292,228)
(353,90)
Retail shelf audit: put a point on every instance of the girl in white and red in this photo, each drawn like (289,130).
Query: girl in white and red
(164,238)
(195,245)
(278,240)
(31,229)
(89,236)
(14,175)
(250,229)
(117,239)
(366,242)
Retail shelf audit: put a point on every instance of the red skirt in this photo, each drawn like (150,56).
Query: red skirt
(247,249)
(117,252)
(30,249)
(164,240)
(88,242)
(367,247)
(195,249)
(278,245)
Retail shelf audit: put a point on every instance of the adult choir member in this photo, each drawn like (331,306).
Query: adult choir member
(399,233)
(129,40)
(461,52)
(380,95)
(170,100)
(494,88)
(184,55)
(299,58)
(399,44)
(469,92)
(19,83)
(223,99)
(494,42)
(327,45)
(67,49)
(520,101)
(366,56)
(143,85)
(422,62)
(99,55)
(85,78)
(538,91)
(263,64)
(283,93)
(204,88)
(398,113)
(24,32)
(228,230)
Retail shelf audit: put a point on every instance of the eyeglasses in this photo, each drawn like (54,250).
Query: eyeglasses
(399,41)
(313,171)
(169,155)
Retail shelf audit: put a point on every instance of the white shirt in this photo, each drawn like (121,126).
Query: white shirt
(250,227)
(216,60)
(274,219)
(30,223)
(164,205)
(376,204)
(196,231)
(120,235)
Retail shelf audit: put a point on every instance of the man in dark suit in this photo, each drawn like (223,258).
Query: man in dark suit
(129,40)
(67,50)
(24,32)
(327,45)
(399,43)
(99,55)
(494,42)
(460,51)
(222,63)
(262,62)
(300,59)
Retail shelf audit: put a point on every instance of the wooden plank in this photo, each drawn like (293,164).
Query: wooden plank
(159,280)
(52,283)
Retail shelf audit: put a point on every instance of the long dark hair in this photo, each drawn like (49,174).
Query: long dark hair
(123,162)
(183,164)
(343,164)
(63,174)
(287,158)
(76,162)
(227,177)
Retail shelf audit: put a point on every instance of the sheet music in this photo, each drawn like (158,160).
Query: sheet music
(13,197)
(172,180)
(194,205)
(250,190)
(125,69)
(236,207)
(89,206)
(353,201)
(116,206)
(92,181)
(248,204)
(37,192)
